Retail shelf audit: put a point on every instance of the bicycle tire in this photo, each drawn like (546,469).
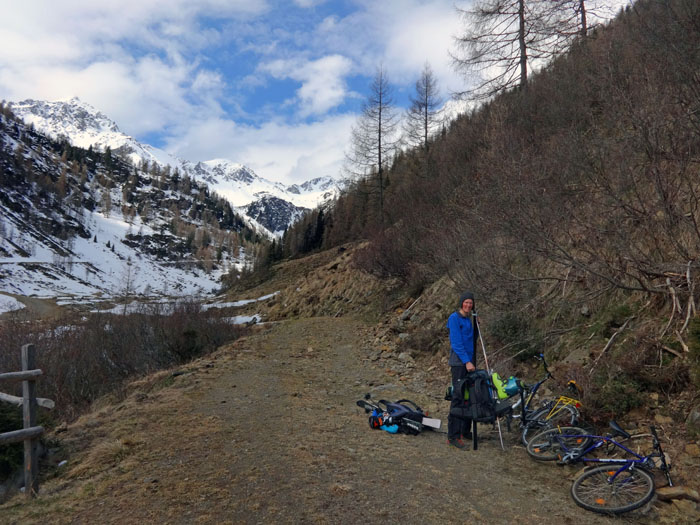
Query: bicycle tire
(631,489)
(566,415)
(552,443)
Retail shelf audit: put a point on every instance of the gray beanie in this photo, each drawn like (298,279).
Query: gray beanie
(464,297)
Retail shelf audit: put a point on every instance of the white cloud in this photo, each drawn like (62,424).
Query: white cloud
(158,67)
(308,3)
(323,85)
(401,34)
(289,153)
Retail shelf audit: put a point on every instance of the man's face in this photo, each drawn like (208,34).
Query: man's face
(467,305)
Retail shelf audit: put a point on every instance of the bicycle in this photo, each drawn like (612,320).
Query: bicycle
(619,485)
(560,411)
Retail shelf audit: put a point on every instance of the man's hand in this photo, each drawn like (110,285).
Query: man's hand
(470,367)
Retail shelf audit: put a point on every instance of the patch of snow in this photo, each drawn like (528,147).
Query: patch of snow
(242,302)
(9,304)
(243,319)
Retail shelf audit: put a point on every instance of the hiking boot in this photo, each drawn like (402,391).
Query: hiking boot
(457,442)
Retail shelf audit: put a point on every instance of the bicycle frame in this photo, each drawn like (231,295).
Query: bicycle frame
(576,455)
(526,402)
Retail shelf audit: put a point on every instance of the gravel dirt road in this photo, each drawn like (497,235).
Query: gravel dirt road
(267,431)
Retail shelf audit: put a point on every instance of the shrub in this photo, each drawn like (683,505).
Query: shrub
(11,456)
(517,335)
(694,347)
(614,395)
(84,358)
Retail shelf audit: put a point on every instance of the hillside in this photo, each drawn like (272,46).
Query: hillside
(76,222)
(569,207)
(266,429)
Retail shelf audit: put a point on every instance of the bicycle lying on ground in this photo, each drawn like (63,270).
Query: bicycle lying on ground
(560,411)
(618,485)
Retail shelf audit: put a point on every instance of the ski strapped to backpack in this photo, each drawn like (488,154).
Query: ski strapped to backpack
(402,416)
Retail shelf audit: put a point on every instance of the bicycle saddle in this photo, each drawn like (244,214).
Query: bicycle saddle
(617,429)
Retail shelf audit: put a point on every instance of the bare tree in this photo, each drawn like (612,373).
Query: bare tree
(424,116)
(374,135)
(504,39)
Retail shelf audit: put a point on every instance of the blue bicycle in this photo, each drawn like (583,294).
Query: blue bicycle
(617,484)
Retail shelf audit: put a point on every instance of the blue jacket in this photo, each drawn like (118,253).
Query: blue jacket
(463,335)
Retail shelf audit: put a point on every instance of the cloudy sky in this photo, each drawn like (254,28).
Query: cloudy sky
(275,85)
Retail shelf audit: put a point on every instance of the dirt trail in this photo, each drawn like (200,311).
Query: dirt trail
(267,431)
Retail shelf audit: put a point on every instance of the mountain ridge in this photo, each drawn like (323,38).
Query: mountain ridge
(84,126)
(83,223)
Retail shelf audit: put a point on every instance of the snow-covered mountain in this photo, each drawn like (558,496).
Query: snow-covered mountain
(76,222)
(84,126)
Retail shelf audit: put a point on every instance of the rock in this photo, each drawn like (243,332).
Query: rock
(654,399)
(692,450)
(405,357)
(404,336)
(585,311)
(687,509)
(663,420)
(693,420)
(677,492)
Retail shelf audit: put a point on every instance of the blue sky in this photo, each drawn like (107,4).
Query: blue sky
(275,85)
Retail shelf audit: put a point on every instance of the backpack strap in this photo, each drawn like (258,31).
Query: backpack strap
(416,407)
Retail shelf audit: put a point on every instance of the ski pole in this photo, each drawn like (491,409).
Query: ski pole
(486,362)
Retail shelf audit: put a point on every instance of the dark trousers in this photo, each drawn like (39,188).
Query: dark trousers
(457,426)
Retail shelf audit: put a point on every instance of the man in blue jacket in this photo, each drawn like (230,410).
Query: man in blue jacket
(464,333)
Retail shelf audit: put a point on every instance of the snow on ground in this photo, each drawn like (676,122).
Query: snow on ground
(243,319)
(99,270)
(165,307)
(9,304)
(242,302)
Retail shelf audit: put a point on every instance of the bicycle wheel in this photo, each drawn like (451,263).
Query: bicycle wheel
(544,418)
(553,443)
(594,490)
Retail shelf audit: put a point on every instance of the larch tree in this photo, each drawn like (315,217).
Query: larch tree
(424,117)
(504,39)
(373,138)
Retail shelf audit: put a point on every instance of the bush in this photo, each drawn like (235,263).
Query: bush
(517,335)
(84,358)
(694,347)
(614,395)
(11,456)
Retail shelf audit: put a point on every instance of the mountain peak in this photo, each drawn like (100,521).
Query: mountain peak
(70,117)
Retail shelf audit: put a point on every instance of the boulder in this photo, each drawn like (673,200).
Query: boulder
(693,420)
(677,492)
(405,357)
(692,450)
(663,420)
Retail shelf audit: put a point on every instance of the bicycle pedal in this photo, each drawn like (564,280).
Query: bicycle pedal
(563,460)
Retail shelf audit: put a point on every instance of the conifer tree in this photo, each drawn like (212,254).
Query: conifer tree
(424,116)
(374,135)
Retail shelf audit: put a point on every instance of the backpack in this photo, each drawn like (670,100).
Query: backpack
(406,414)
(478,398)
(403,416)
